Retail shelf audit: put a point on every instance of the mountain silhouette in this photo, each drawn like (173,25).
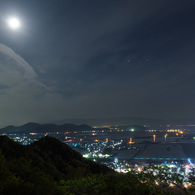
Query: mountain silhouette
(51,167)
(43,128)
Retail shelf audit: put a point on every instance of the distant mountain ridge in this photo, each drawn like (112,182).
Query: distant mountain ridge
(129,121)
(74,124)
(36,128)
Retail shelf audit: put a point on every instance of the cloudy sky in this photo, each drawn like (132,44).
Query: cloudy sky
(97,59)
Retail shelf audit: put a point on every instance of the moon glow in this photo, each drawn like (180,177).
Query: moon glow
(14,23)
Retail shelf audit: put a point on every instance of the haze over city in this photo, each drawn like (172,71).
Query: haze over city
(96,59)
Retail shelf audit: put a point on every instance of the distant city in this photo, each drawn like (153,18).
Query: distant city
(122,148)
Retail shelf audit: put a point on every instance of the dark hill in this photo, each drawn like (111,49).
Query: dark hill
(46,162)
(50,167)
(39,128)
(10,148)
(51,151)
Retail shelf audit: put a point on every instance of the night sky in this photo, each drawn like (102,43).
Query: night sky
(97,59)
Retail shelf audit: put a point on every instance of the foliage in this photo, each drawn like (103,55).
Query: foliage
(108,184)
(49,166)
(38,168)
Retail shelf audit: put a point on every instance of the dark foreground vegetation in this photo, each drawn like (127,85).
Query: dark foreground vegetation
(49,166)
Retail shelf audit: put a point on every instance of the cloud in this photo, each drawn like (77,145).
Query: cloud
(23,97)
(15,72)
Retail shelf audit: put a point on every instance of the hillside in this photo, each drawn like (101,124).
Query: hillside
(46,162)
(49,166)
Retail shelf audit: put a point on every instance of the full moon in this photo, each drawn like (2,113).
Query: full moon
(14,23)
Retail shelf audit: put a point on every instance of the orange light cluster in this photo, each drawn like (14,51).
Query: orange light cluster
(154,138)
(130,142)
(173,130)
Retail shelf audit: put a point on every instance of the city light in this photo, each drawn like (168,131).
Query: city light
(131,142)
(154,138)
(165,137)
(124,155)
(86,155)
